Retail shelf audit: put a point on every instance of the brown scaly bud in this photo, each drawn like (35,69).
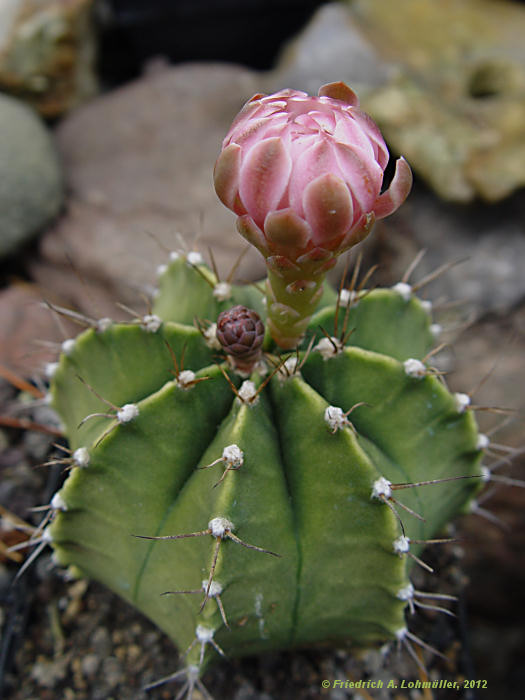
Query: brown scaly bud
(240,331)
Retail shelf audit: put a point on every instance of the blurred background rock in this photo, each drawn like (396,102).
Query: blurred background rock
(111,119)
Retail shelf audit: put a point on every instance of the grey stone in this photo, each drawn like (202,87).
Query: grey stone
(489,239)
(331,47)
(30,176)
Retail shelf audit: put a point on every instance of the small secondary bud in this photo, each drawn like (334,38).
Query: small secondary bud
(240,331)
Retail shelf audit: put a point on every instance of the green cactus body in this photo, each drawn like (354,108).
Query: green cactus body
(303,489)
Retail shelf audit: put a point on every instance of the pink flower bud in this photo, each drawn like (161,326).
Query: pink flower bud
(304,174)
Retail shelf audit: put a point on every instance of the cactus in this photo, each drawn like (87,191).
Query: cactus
(246,497)
(319,446)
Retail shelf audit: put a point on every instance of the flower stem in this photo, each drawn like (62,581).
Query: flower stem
(292,293)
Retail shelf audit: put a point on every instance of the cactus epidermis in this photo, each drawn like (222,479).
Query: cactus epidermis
(317,447)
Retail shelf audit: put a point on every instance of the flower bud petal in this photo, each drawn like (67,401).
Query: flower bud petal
(398,191)
(284,228)
(328,208)
(226,175)
(264,178)
(249,230)
(339,91)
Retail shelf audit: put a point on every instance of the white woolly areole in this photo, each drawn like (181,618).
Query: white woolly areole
(103,324)
(46,535)
(401,633)
(219,526)
(68,346)
(462,401)
(151,323)
(414,368)
(174,255)
(401,545)
(210,337)
(215,588)
(482,442)
(347,296)
(403,289)
(50,369)
(248,392)
(485,474)
(381,487)
(194,258)
(335,418)
(127,413)
(436,329)
(193,672)
(204,634)
(185,378)
(406,593)
(57,502)
(233,456)
(81,457)
(328,347)
(161,270)
(426,305)
(288,369)
(222,291)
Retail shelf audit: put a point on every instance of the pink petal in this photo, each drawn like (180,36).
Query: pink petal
(264,178)
(252,233)
(363,175)
(339,91)
(372,132)
(286,229)
(328,208)
(309,162)
(398,191)
(226,175)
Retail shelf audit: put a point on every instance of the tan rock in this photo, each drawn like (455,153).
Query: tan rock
(47,51)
